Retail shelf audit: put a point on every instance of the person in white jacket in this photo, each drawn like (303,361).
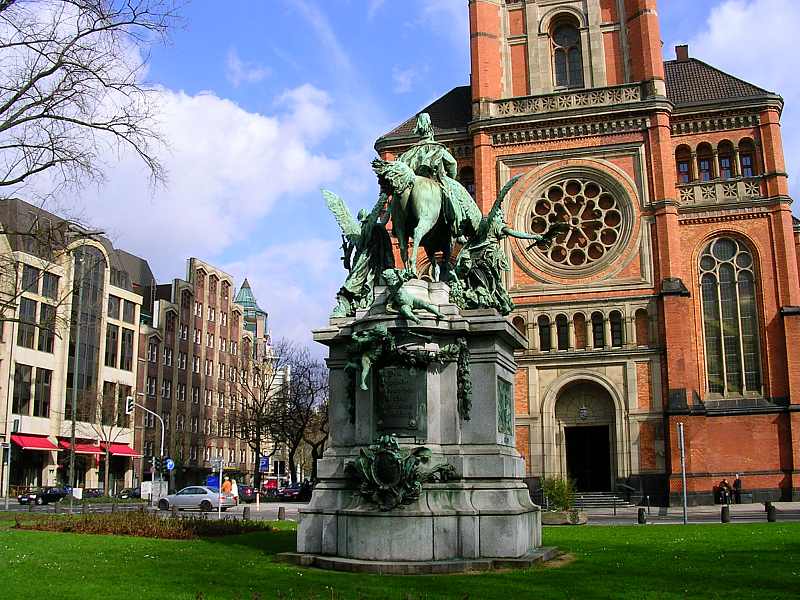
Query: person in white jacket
(235,491)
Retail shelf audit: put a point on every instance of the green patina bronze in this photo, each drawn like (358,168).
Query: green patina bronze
(377,347)
(477,279)
(367,252)
(505,408)
(402,300)
(390,477)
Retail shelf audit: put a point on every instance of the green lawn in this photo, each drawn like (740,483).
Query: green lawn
(703,561)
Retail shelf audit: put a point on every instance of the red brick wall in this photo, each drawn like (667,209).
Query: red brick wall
(644,390)
(519,69)
(516,22)
(608,11)
(521,400)
(524,445)
(615,68)
(647,452)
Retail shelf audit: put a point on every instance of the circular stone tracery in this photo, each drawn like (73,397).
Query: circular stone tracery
(594,217)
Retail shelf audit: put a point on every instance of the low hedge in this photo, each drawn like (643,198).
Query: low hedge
(140,524)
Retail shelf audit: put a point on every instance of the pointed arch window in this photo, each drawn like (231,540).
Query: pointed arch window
(730,319)
(567,58)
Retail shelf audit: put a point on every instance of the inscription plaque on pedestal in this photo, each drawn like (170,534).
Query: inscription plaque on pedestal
(401,402)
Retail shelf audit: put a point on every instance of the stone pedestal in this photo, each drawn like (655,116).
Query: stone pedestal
(482,517)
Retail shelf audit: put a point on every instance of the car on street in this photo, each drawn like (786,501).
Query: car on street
(42,496)
(198,497)
(289,493)
(129,493)
(247,493)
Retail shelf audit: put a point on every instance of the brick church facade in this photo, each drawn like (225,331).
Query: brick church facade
(675,295)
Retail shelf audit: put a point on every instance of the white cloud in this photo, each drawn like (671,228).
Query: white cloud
(403,79)
(239,71)
(295,283)
(727,42)
(227,168)
(374,7)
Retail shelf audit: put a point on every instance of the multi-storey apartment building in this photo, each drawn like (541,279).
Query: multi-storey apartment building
(69,344)
(675,294)
(198,352)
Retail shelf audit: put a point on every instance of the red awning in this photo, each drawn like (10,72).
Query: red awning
(81,447)
(33,442)
(122,450)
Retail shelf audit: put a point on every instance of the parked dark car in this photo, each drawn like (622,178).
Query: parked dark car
(247,493)
(42,496)
(290,493)
(92,493)
(128,493)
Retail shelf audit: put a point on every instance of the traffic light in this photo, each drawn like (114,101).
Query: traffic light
(128,405)
(157,464)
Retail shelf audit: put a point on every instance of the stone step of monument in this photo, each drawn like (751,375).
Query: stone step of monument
(600,500)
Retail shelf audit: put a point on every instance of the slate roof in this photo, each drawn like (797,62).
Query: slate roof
(688,82)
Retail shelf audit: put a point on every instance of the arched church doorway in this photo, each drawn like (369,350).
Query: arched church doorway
(586,421)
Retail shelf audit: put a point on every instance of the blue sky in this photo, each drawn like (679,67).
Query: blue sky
(266,101)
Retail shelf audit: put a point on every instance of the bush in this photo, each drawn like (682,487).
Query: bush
(141,524)
(560,493)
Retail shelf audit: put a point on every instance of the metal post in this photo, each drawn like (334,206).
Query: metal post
(219,504)
(74,408)
(681,445)
(161,421)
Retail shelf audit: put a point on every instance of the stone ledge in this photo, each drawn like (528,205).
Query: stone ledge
(350,565)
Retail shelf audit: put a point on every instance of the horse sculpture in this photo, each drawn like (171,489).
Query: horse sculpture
(422,213)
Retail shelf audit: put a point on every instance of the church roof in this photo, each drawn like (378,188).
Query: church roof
(247,300)
(689,82)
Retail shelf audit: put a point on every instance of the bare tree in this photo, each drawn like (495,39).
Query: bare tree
(300,402)
(72,87)
(261,381)
(316,433)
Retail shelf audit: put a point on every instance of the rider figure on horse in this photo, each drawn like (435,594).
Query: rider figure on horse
(431,159)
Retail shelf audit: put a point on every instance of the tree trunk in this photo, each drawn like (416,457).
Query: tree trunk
(292,470)
(107,475)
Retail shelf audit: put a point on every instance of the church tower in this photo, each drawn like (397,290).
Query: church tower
(675,294)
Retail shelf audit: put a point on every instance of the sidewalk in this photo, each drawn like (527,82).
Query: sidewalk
(741,513)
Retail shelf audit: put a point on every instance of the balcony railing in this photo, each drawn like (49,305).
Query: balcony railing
(720,191)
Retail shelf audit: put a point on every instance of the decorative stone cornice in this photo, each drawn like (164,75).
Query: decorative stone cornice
(549,103)
(569,130)
(720,123)
(719,216)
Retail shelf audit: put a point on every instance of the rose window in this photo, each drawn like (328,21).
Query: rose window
(593,217)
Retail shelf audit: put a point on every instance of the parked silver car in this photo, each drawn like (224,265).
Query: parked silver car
(197,497)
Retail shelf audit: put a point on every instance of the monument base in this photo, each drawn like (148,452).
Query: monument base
(438,567)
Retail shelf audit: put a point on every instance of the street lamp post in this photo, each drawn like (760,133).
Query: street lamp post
(160,420)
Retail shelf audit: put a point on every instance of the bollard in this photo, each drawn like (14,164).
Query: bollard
(772,513)
(641,517)
(725,515)
(83,507)
(55,507)
(174,510)
(30,506)
(113,507)
(281,513)
(246,513)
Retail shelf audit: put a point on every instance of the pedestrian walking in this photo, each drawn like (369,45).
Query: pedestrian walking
(227,486)
(235,491)
(737,489)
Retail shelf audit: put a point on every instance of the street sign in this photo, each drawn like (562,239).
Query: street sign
(216,464)
(263,464)
(169,464)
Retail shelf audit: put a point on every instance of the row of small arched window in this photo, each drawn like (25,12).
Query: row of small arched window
(707,163)
(597,331)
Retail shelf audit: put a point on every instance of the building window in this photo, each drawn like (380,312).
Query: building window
(182,357)
(221,399)
(27,322)
(747,155)
(209,367)
(198,336)
(196,364)
(219,428)
(221,371)
(166,389)
(129,312)
(195,395)
(683,161)
(223,318)
(152,352)
(198,309)
(544,333)
(50,286)
(207,427)
(148,448)
(705,159)
(562,332)
(212,314)
(195,424)
(113,307)
(234,348)
(242,456)
(184,332)
(725,153)
(730,319)
(151,386)
(180,423)
(126,354)
(21,402)
(222,344)
(209,397)
(598,331)
(47,328)
(41,396)
(617,335)
(181,390)
(207,453)
(567,59)
(210,340)
(30,279)
(167,357)
(193,454)
(112,343)
(149,420)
